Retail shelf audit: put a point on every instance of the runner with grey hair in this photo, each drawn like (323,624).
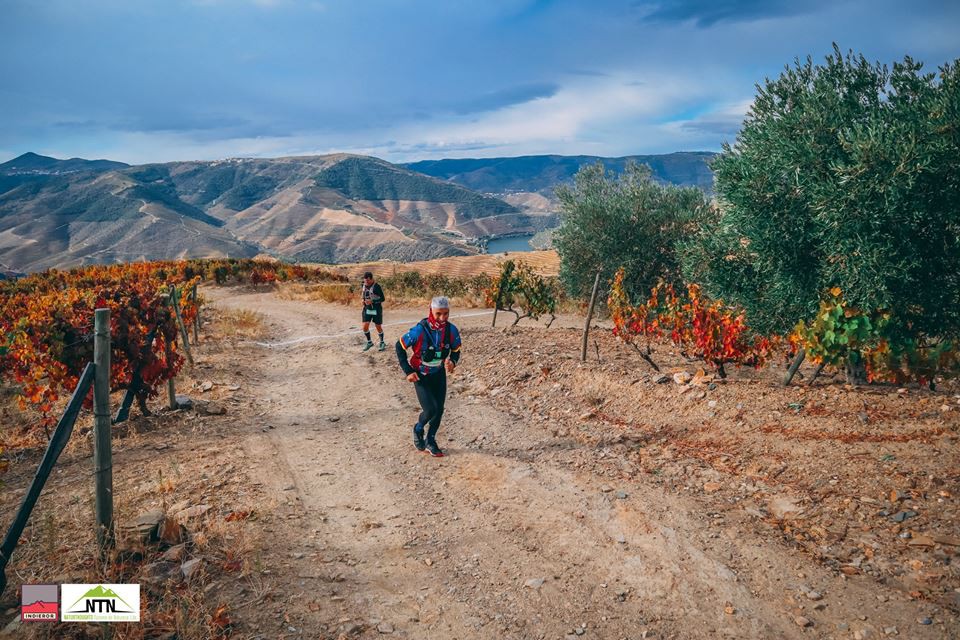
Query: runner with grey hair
(435,342)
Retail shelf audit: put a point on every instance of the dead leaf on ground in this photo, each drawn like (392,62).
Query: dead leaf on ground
(235,516)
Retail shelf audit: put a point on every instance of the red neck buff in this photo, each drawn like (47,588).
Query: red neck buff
(435,324)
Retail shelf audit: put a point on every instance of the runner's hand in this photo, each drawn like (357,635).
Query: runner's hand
(450,366)
(413,377)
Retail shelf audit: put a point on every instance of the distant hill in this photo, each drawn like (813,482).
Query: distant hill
(81,218)
(35,163)
(32,167)
(542,174)
(336,208)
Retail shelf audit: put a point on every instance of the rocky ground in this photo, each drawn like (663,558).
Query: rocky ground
(577,500)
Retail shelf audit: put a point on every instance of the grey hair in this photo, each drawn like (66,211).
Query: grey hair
(440,302)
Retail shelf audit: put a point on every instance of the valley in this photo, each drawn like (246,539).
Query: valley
(333,209)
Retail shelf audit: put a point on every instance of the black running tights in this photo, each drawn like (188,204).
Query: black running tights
(432,393)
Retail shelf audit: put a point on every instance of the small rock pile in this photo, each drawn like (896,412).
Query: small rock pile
(162,546)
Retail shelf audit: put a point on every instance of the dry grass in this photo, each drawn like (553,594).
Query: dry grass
(59,546)
(348,295)
(239,323)
(546,263)
(592,388)
(339,293)
(161,462)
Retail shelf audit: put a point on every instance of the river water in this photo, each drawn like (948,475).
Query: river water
(513,245)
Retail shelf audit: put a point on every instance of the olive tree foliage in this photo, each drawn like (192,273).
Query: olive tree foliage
(630,221)
(844,174)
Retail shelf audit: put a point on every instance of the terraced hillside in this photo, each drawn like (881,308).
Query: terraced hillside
(335,208)
(544,262)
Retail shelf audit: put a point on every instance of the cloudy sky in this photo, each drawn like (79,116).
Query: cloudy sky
(159,80)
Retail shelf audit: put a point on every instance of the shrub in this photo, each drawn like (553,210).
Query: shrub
(628,221)
(843,175)
(704,329)
(522,292)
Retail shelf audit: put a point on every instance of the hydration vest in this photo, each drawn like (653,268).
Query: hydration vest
(431,353)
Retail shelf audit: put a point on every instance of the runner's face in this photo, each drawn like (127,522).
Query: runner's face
(368,281)
(441,314)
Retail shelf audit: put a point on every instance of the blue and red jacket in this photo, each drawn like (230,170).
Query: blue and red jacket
(422,339)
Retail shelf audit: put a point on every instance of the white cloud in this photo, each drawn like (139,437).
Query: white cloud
(568,116)
(608,115)
(724,121)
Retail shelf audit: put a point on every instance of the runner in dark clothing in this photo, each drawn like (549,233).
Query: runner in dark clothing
(435,342)
(373,298)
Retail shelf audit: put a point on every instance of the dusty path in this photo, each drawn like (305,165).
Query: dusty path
(374,538)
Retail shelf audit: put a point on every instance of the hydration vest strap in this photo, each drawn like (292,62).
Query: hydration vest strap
(444,339)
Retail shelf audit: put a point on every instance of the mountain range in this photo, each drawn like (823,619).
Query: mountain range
(332,208)
(541,174)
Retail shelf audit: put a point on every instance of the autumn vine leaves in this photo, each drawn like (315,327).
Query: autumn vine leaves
(703,329)
(839,336)
(46,322)
(46,328)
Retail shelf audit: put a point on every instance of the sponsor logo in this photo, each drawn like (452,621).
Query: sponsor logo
(39,603)
(100,602)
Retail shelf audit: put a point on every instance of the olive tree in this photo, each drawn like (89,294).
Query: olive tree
(629,221)
(844,174)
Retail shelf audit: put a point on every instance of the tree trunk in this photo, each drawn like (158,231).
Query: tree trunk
(794,366)
(142,402)
(816,374)
(586,325)
(856,369)
(496,305)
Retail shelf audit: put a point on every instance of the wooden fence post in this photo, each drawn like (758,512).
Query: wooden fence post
(171,386)
(196,315)
(586,326)
(496,305)
(57,442)
(102,453)
(505,274)
(175,303)
(168,356)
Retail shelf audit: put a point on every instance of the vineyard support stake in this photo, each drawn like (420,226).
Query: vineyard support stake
(59,440)
(505,276)
(816,373)
(496,305)
(586,326)
(175,303)
(171,386)
(102,454)
(196,315)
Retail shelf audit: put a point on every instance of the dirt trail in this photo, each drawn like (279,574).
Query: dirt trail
(374,538)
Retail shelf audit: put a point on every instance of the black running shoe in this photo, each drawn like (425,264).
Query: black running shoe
(433,449)
(418,440)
